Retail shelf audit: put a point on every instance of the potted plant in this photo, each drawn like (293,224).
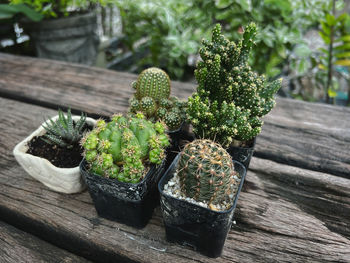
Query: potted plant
(199,193)
(51,154)
(230,98)
(152,98)
(122,165)
(68,31)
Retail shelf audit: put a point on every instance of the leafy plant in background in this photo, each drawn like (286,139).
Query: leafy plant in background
(57,9)
(174,28)
(336,35)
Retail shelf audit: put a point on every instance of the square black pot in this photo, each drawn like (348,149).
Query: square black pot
(242,154)
(130,204)
(191,225)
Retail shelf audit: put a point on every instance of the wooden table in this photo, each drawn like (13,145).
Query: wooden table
(295,204)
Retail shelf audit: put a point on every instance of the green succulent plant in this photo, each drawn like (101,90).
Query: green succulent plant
(230,98)
(152,99)
(121,148)
(63,131)
(206,171)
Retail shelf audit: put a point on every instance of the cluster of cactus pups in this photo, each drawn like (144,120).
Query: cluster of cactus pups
(152,98)
(121,148)
(206,172)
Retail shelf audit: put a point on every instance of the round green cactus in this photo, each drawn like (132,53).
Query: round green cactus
(148,106)
(206,171)
(173,120)
(154,83)
(119,149)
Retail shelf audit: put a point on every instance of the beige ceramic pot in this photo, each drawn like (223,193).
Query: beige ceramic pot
(64,180)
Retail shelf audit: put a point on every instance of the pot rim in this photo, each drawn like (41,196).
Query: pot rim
(175,161)
(21,148)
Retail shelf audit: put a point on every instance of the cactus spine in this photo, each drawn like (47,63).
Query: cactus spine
(206,171)
(119,149)
(152,99)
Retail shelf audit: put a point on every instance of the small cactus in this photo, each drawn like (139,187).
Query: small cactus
(154,83)
(119,149)
(152,99)
(206,171)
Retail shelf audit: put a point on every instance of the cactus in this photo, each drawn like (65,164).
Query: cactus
(230,98)
(63,132)
(206,171)
(120,149)
(154,83)
(152,99)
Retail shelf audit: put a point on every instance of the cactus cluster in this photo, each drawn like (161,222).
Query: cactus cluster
(64,132)
(206,171)
(152,98)
(121,148)
(230,98)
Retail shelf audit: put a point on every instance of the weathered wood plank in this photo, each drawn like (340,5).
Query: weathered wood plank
(309,135)
(17,246)
(284,213)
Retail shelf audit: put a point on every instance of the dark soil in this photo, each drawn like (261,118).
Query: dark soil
(58,156)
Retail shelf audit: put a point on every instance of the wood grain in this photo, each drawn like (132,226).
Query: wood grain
(17,246)
(308,135)
(284,213)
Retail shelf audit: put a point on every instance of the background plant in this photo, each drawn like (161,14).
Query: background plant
(58,8)
(174,29)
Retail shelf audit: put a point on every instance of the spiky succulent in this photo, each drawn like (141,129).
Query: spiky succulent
(121,148)
(230,97)
(206,171)
(152,99)
(63,131)
(152,82)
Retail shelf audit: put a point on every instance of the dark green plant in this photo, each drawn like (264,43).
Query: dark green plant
(336,34)
(174,28)
(121,148)
(57,9)
(152,99)
(63,131)
(230,98)
(206,171)
(10,11)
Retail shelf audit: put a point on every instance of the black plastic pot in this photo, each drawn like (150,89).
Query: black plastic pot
(72,39)
(176,137)
(191,225)
(242,154)
(130,204)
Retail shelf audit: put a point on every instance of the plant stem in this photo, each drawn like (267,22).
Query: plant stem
(330,51)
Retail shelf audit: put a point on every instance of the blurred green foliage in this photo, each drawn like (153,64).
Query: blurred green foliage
(174,28)
(58,8)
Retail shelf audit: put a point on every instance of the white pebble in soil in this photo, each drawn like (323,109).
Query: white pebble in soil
(172,188)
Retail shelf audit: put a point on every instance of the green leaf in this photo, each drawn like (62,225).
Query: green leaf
(343,55)
(325,38)
(332,93)
(343,47)
(246,5)
(325,28)
(330,20)
(345,38)
(9,11)
(343,62)
(302,50)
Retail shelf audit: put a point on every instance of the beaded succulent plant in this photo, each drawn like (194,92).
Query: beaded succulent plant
(230,98)
(63,131)
(152,99)
(206,171)
(121,148)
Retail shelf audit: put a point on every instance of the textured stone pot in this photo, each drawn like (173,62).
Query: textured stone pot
(71,39)
(64,180)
